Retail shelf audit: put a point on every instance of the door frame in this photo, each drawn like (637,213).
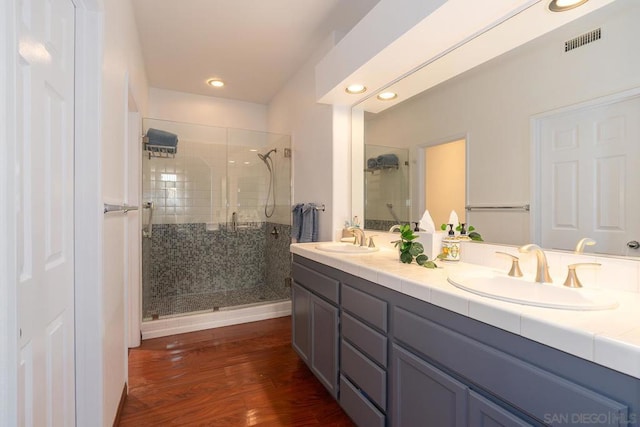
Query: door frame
(535,218)
(87,210)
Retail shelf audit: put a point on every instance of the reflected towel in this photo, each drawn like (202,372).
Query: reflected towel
(387,160)
(161,137)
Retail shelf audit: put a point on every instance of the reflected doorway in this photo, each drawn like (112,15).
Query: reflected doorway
(445,180)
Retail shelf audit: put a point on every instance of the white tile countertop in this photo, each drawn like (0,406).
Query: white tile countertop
(607,337)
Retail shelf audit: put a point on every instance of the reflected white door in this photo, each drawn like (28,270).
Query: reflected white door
(590,175)
(44,212)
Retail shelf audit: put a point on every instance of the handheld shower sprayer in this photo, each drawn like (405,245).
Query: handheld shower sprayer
(271,194)
(266,156)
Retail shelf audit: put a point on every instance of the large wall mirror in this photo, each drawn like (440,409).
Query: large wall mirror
(526,117)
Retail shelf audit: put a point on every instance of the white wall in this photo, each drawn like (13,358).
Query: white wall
(294,111)
(494,103)
(123,72)
(206,110)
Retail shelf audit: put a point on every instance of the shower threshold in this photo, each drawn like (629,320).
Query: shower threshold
(183,305)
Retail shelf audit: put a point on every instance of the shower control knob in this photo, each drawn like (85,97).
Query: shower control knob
(634,244)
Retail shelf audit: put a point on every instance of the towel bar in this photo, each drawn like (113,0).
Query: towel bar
(526,207)
(119,208)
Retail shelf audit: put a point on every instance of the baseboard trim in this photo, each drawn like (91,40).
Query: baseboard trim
(123,399)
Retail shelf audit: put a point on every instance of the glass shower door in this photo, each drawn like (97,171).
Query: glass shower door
(211,244)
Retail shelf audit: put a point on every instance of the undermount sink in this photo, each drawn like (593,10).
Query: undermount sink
(346,248)
(524,291)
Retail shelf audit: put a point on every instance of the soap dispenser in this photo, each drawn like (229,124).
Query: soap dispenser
(451,232)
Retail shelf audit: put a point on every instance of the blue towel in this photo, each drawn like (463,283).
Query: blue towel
(372,163)
(305,222)
(297,221)
(387,160)
(309,232)
(161,137)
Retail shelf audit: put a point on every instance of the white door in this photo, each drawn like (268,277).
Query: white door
(44,212)
(590,172)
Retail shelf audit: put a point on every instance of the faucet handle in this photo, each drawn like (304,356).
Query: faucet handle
(515,265)
(371,242)
(572,280)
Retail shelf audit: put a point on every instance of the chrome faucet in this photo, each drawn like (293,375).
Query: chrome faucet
(394,228)
(584,242)
(542,269)
(360,238)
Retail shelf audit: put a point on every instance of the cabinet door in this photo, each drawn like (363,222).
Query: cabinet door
(421,394)
(324,343)
(484,413)
(301,321)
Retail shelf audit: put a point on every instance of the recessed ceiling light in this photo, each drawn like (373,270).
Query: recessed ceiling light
(387,96)
(215,82)
(355,89)
(253,149)
(247,163)
(232,161)
(562,5)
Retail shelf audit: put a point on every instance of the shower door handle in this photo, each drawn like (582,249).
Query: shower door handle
(146,230)
(234,221)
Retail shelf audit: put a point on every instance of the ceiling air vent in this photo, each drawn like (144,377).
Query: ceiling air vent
(583,39)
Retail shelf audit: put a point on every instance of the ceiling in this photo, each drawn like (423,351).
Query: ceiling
(254,46)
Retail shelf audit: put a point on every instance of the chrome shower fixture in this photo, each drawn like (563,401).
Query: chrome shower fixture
(264,157)
(271,193)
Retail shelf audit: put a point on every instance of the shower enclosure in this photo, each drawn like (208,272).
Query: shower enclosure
(216,220)
(386,182)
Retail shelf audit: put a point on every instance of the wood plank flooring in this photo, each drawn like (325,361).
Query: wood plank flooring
(242,375)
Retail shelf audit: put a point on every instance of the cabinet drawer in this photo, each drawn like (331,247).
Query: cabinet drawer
(368,376)
(523,385)
(370,342)
(318,283)
(366,307)
(361,411)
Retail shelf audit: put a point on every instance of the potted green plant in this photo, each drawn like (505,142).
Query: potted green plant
(410,249)
(469,231)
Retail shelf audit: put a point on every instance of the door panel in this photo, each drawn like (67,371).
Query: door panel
(44,212)
(420,392)
(590,161)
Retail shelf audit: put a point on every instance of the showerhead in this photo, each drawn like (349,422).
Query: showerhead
(267,156)
(264,157)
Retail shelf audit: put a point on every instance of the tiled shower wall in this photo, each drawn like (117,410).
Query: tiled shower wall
(188,259)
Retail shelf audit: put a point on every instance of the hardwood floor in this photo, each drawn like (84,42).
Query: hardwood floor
(242,375)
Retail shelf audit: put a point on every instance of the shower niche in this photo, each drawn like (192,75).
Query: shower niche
(207,227)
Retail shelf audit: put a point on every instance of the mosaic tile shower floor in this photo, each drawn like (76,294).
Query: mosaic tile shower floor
(173,306)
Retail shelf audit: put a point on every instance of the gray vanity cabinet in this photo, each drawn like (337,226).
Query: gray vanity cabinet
(315,322)
(363,356)
(301,321)
(424,395)
(404,362)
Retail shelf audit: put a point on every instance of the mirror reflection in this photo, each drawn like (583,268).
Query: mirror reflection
(386,186)
(527,117)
